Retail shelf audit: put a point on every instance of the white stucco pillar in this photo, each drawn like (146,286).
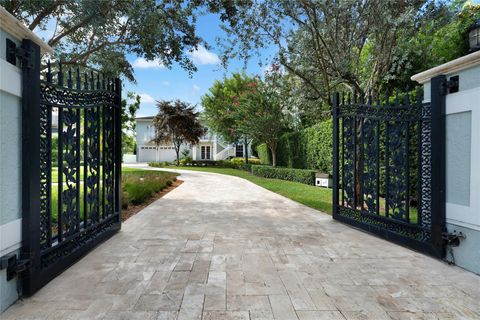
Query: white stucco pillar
(462,145)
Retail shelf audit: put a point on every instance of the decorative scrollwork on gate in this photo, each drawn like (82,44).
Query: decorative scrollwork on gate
(78,126)
(383,181)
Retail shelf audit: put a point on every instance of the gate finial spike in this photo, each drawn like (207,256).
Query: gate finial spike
(85,80)
(103,81)
(92,80)
(49,71)
(60,74)
(387,97)
(70,80)
(397,100)
(98,81)
(79,80)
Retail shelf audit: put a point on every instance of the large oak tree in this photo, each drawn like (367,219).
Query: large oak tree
(103,32)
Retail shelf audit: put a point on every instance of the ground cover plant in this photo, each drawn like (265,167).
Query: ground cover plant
(138,186)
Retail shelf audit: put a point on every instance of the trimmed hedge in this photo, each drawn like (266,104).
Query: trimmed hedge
(311,148)
(263,153)
(296,175)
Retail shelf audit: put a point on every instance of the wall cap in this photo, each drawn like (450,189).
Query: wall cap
(456,65)
(17,29)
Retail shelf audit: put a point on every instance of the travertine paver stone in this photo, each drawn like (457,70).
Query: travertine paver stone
(222,248)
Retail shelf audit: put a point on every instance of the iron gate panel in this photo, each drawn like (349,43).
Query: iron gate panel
(64,219)
(389,168)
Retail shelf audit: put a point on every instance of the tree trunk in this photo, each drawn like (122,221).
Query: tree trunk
(177,151)
(246,150)
(273,149)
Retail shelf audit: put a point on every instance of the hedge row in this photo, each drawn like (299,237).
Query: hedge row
(296,175)
(310,148)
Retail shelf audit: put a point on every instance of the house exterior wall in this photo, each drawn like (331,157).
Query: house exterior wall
(147,150)
(462,156)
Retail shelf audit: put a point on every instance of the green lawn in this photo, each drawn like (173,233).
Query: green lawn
(311,196)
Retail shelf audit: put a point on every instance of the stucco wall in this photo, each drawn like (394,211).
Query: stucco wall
(463,165)
(10,168)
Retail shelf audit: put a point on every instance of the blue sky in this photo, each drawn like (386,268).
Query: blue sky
(155,82)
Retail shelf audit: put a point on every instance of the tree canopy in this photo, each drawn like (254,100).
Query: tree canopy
(101,33)
(177,123)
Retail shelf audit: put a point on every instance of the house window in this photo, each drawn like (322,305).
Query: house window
(239,150)
(205,152)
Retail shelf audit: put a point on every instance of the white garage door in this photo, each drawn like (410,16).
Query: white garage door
(166,153)
(147,154)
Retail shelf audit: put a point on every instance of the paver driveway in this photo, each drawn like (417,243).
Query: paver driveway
(219,247)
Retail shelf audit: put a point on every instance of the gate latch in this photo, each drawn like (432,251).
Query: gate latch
(13,265)
(452,239)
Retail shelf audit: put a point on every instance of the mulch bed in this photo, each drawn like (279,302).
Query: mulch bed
(134,209)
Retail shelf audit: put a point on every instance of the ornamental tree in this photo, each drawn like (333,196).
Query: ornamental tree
(261,114)
(177,123)
(222,112)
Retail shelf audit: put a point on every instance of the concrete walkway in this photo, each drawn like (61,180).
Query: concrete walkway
(220,247)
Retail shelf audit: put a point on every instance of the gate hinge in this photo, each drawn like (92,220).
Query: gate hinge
(13,265)
(452,239)
(14,52)
(451,85)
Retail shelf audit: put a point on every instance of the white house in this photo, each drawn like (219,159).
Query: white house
(210,147)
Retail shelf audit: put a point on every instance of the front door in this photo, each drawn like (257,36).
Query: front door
(205,152)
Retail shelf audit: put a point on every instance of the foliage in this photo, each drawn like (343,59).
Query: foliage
(291,150)
(262,114)
(289,174)
(177,123)
(138,187)
(161,164)
(324,43)
(310,148)
(221,110)
(440,36)
(186,161)
(102,33)
(263,154)
(318,144)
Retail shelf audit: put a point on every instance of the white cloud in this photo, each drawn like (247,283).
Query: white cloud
(165,83)
(146,98)
(142,63)
(203,56)
(196,87)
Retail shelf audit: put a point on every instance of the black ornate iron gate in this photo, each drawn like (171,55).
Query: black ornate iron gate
(389,167)
(71,119)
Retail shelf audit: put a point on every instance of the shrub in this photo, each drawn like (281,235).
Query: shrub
(186,161)
(140,187)
(311,148)
(297,175)
(159,164)
(263,153)
(318,142)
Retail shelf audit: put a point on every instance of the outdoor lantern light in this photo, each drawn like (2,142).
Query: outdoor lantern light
(474,37)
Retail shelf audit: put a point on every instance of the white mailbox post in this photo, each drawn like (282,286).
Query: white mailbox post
(462,123)
(323,180)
